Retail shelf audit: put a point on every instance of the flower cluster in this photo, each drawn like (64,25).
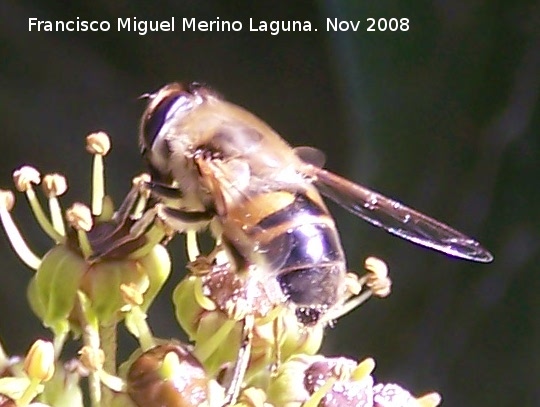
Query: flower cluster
(107,266)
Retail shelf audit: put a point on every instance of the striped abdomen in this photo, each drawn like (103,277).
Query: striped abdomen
(291,236)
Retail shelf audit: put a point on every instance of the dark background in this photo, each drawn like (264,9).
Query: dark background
(445,117)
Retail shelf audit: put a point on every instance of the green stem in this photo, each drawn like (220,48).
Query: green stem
(56,215)
(316,397)
(29,394)
(59,341)
(42,219)
(84,244)
(204,351)
(108,340)
(144,334)
(91,339)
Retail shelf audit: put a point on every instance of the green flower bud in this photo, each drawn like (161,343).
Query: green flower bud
(287,386)
(210,307)
(53,289)
(189,303)
(216,335)
(101,283)
(157,266)
(97,252)
(217,340)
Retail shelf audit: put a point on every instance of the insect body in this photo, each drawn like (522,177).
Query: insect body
(215,160)
(208,157)
(213,163)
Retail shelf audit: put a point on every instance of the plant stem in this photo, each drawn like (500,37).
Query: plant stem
(107,334)
(29,393)
(90,339)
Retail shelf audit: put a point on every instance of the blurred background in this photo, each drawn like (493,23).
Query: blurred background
(445,117)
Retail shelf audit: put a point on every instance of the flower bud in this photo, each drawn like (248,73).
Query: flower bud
(39,361)
(103,280)
(211,306)
(157,266)
(287,386)
(53,289)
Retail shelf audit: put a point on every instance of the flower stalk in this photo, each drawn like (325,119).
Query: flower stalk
(7,200)
(98,144)
(24,178)
(55,185)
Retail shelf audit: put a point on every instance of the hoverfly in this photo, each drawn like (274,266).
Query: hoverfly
(212,162)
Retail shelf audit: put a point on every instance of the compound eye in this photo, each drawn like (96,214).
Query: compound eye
(158,114)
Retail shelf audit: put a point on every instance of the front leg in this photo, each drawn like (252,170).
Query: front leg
(134,225)
(170,209)
(163,191)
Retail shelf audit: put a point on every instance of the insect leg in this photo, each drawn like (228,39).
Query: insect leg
(242,360)
(123,218)
(128,204)
(162,190)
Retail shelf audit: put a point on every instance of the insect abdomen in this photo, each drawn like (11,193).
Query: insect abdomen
(299,243)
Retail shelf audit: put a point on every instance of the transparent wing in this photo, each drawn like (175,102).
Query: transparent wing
(396,218)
